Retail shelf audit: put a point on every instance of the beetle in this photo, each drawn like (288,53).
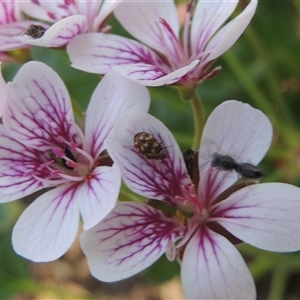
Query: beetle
(148,145)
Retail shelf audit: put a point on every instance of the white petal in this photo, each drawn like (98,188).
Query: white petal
(142,20)
(17,166)
(114,96)
(149,75)
(213,182)
(160,179)
(229,34)
(266,216)
(9,11)
(106,8)
(60,33)
(212,268)
(39,109)
(238,130)
(98,196)
(47,228)
(207,19)
(98,53)
(128,240)
(3,93)
(41,10)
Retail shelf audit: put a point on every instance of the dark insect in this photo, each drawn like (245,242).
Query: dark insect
(188,157)
(224,162)
(147,145)
(249,171)
(35,31)
(227,163)
(70,155)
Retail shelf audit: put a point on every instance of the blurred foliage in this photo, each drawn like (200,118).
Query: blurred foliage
(262,69)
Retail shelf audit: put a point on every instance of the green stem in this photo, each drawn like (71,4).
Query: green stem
(272,81)
(198,119)
(278,283)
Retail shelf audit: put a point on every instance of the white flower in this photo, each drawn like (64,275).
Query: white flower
(200,221)
(42,147)
(12,24)
(69,18)
(163,57)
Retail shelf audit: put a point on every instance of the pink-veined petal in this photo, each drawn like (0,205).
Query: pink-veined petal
(150,75)
(238,130)
(98,195)
(114,96)
(52,11)
(3,93)
(58,34)
(212,268)
(10,33)
(213,182)
(131,238)
(48,227)
(207,19)
(48,11)
(266,216)
(142,20)
(99,52)
(17,166)
(106,8)
(160,179)
(9,11)
(229,34)
(39,110)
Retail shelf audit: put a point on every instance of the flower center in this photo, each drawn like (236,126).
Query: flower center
(68,162)
(74,161)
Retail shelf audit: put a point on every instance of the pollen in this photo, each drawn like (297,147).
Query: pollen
(181,217)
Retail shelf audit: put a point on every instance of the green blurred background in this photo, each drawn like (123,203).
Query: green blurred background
(262,69)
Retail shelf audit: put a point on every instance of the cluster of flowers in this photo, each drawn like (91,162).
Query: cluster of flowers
(196,209)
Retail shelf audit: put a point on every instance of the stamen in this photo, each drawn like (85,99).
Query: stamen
(72,145)
(81,135)
(60,139)
(58,152)
(171,251)
(87,155)
(56,172)
(189,200)
(71,164)
(68,160)
(72,178)
(65,176)
(47,164)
